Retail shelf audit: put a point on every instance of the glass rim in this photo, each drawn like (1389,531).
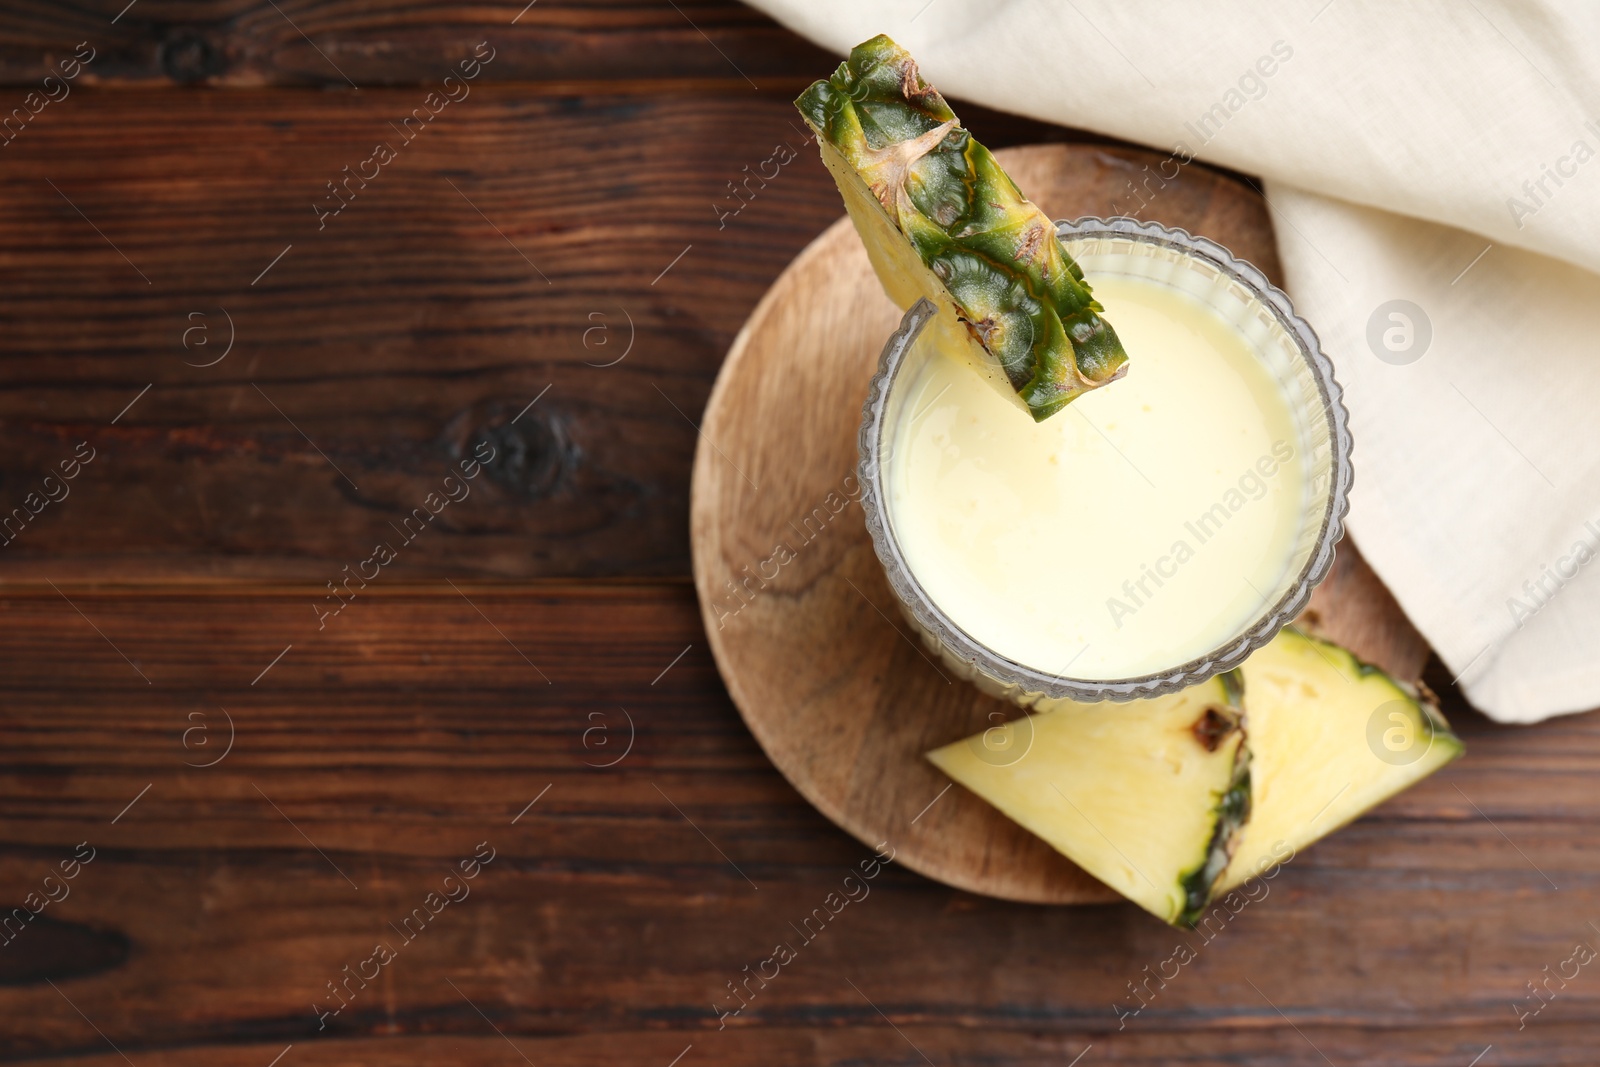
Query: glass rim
(1026,685)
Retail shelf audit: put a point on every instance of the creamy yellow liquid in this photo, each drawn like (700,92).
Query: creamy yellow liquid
(1141,527)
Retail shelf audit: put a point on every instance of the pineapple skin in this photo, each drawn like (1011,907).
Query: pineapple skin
(991,253)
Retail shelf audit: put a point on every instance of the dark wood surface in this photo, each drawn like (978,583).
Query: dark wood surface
(423,718)
(391,42)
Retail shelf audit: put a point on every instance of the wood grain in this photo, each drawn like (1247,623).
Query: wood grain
(384,42)
(833,682)
(608,926)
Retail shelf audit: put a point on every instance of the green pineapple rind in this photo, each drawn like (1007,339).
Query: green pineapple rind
(1232,812)
(997,255)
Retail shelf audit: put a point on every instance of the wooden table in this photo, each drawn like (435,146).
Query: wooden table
(264,791)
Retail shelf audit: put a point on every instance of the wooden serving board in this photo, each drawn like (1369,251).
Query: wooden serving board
(831,679)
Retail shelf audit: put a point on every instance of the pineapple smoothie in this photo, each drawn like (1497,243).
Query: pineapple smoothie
(1139,528)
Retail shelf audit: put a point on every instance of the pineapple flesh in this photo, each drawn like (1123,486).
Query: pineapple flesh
(1330,737)
(1147,796)
(1174,800)
(942,220)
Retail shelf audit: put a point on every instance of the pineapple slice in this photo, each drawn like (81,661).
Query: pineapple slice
(1330,737)
(1175,800)
(1147,796)
(941,220)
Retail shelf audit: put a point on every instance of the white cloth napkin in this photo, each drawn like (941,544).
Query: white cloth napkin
(1442,155)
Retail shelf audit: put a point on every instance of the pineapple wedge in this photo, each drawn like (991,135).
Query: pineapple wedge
(1175,800)
(941,220)
(1147,796)
(1330,737)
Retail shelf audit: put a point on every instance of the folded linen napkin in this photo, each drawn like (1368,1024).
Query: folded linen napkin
(1434,177)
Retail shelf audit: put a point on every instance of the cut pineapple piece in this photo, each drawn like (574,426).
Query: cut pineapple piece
(942,220)
(1174,800)
(1147,796)
(1330,737)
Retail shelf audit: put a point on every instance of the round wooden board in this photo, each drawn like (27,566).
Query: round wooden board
(831,679)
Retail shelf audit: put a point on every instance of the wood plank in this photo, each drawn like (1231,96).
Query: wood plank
(606,927)
(508,249)
(337,43)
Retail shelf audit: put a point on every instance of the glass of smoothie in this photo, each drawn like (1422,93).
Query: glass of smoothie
(1148,536)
